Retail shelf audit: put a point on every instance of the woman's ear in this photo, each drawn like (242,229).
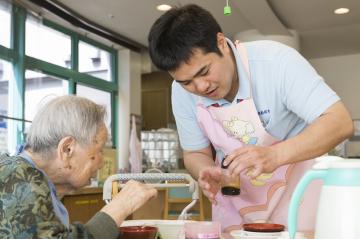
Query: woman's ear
(66,148)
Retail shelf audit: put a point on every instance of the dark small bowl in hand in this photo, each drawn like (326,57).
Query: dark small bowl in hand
(138,232)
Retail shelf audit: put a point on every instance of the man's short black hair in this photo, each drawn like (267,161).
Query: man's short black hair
(178,32)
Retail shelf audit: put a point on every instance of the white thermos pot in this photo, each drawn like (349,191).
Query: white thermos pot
(338,214)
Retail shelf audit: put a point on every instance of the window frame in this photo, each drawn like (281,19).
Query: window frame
(21,62)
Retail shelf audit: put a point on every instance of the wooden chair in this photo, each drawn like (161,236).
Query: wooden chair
(176,199)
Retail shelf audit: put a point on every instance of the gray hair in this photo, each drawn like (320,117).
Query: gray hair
(64,116)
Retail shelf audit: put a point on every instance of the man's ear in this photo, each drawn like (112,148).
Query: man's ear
(66,148)
(221,41)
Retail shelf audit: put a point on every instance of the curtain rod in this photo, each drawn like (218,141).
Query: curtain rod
(77,20)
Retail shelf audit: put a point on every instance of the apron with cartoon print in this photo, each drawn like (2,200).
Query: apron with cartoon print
(266,198)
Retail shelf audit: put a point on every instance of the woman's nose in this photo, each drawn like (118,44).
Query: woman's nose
(202,85)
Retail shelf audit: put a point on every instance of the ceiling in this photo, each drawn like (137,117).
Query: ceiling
(322,33)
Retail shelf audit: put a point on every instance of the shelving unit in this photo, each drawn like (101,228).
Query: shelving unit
(161,149)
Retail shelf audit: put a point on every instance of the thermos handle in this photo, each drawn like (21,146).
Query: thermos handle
(297,196)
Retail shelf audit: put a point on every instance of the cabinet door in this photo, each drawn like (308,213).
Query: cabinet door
(156,101)
(83,207)
(155,108)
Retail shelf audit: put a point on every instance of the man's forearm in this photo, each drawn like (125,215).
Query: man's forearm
(196,160)
(331,128)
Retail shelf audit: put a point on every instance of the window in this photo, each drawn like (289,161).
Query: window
(6,76)
(5,20)
(47,44)
(46,71)
(100,97)
(3,136)
(39,89)
(94,61)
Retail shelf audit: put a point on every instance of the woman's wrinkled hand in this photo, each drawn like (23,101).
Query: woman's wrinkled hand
(131,197)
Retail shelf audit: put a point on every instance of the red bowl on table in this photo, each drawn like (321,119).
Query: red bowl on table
(263,227)
(138,232)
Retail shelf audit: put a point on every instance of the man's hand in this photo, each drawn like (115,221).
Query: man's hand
(258,159)
(209,181)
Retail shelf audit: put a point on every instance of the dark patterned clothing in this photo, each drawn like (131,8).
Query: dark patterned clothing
(26,209)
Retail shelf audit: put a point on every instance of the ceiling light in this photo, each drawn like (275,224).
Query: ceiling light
(341,10)
(163,7)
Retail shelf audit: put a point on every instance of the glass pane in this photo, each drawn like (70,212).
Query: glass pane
(5,21)
(47,44)
(9,132)
(3,136)
(94,61)
(27,128)
(6,76)
(100,97)
(39,89)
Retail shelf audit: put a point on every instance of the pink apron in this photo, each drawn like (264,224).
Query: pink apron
(266,198)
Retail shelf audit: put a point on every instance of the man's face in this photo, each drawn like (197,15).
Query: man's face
(209,75)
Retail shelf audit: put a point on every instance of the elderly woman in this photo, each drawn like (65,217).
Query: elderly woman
(63,152)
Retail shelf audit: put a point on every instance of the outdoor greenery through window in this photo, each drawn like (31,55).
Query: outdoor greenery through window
(48,60)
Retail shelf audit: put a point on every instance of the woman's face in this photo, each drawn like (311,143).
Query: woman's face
(86,161)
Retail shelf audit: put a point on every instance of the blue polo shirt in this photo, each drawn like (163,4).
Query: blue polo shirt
(287,91)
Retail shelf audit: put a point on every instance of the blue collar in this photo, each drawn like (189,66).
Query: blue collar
(244,84)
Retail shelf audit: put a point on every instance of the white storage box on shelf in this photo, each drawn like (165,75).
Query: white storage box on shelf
(161,149)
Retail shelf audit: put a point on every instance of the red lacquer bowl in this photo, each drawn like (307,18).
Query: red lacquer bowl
(263,227)
(138,232)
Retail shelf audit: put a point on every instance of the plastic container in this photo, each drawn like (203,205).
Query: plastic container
(202,230)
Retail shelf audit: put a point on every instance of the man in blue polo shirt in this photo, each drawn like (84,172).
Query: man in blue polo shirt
(258,108)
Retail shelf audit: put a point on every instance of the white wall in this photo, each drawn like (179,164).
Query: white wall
(254,35)
(342,74)
(129,65)
(135,83)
